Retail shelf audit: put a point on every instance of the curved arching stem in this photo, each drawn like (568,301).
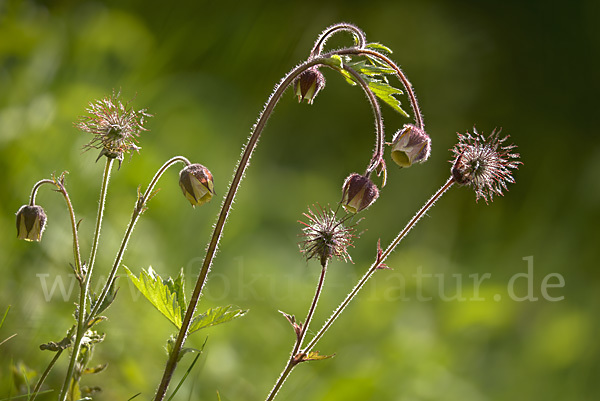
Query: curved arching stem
(359,36)
(35,189)
(378,153)
(224,213)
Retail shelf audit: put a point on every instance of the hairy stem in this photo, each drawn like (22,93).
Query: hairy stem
(378,263)
(36,187)
(101,204)
(137,211)
(359,36)
(225,208)
(86,277)
(295,358)
(378,153)
(82,293)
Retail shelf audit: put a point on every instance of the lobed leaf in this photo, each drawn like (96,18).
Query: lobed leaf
(374,76)
(214,316)
(164,295)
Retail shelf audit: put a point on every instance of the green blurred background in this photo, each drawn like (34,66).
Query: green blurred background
(205,69)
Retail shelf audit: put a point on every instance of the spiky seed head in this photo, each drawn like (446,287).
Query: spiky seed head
(114,126)
(325,235)
(484,163)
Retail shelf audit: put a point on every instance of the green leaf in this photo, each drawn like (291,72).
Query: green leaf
(379,47)
(374,75)
(95,369)
(335,61)
(214,316)
(107,301)
(187,372)
(164,295)
(177,287)
(370,69)
(4,317)
(314,356)
(386,92)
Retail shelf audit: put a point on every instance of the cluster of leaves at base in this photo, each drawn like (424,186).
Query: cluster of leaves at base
(168,297)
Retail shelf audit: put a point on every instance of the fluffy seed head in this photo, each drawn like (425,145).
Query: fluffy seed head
(113,125)
(484,163)
(325,235)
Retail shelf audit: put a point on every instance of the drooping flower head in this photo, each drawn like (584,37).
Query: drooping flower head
(196,183)
(309,84)
(484,163)
(114,126)
(31,222)
(410,145)
(326,235)
(358,193)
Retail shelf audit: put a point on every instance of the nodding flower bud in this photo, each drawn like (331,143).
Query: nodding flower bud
(410,145)
(308,84)
(31,222)
(196,182)
(358,193)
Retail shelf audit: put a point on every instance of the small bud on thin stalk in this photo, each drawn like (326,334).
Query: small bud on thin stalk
(31,223)
(196,183)
(410,145)
(309,84)
(358,193)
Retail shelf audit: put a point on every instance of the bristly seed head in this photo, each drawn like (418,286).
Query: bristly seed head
(484,163)
(114,126)
(326,235)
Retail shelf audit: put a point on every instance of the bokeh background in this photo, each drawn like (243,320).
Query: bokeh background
(204,70)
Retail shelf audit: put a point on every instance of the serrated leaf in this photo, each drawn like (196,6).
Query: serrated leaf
(373,75)
(364,68)
(379,46)
(214,316)
(386,92)
(164,295)
(177,287)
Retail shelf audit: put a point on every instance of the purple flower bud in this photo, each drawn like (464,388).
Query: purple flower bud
(358,193)
(31,222)
(410,145)
(308,84)
(196,182)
